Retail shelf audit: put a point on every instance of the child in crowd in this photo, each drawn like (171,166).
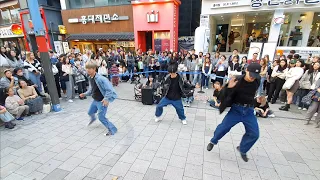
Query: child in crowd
(262,108)
(114,72)
(140,65)
(216,100)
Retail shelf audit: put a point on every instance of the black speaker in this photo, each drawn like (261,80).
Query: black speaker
(147,96)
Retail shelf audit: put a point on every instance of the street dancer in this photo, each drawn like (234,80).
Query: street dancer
(174,87)
(239,93)
(102,93)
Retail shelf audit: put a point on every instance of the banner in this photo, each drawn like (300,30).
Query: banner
(255,47)
(186,43)
(269,49)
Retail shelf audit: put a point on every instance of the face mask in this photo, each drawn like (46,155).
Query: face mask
(20,74)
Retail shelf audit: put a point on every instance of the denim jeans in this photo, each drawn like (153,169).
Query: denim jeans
(196,78)
(6,117)
(97,106)
(131,71)
(205,80)
(213,104)
(260,89)
(36,80)
(177,104)
(235,115)
(188,99)
(145,69)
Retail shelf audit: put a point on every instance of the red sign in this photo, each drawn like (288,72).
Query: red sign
(16,29)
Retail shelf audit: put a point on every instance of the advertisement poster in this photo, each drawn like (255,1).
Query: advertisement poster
(269,49)
(65,47)
(205,21)
(255,47)
(58,47)
(186,43)
(165,44)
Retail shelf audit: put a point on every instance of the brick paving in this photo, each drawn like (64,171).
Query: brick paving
(60,146)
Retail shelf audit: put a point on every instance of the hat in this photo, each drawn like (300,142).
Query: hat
(293,61)
(254,70)
(5,71)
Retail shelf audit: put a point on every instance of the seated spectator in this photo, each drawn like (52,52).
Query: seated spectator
(6,117)
(8,81)
(216,100)
(261,107)
(18,73)
(31,98)
(15,105)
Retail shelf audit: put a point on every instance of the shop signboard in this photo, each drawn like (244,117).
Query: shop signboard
(58,47)
(205,20)
(102,18)
(282,3)
(228,4)
(14,30)
(65,47)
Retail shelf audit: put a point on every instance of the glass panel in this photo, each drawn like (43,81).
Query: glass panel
(5,17)
(15,15)
(74,4)
(161,41)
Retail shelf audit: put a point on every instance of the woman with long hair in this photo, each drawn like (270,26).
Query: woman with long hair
(130,64)
(277,80)
(206,71)
(221,69)
(4,61)
(68,77)
(29,95)
(263,74)
(244,64)
(34,69)
(308,83)
(14,61)
(292,82)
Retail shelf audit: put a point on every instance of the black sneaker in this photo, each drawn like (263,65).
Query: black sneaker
(8,125)
(13,124)
(210,146)
(91,121)
(108,134)
(243,156)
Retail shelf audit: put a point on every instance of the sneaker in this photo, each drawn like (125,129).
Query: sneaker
(299,108)
(19,119)
(91,121)
(184,122)
(210,146)
(70,101)
(304,109)
(13,124)
(271,115)
(8,126)
(108,134)
(156,119)
(243,156)
(207,88)
(315,114)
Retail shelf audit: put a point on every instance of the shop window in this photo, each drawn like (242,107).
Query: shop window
(15,16)
(5,17)
(161,41)
(300,29)
(74,4)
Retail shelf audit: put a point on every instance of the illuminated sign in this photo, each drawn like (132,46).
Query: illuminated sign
(153,17)
(102,18)
(62,29)
(285,3)
(225,4)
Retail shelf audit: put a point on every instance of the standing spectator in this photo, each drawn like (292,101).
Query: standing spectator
(254,59)
(292,82)
(198,71)
(192,67)
(263,75)
(131,64)
(316,42)
(16,49)
(314,109)
(215,59)
(15,105)
(68,78)
(79,77)
(206,72)
(34,69)
(308,83)
(235,53)
(86,57)
(163,60)
(221,69)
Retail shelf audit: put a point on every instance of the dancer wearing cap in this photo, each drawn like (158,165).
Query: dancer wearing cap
(174,87)
(239,94)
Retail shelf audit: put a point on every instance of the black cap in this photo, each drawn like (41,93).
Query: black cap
(254,70)
(172,68)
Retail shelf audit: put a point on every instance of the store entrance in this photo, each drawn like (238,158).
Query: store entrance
(148,40)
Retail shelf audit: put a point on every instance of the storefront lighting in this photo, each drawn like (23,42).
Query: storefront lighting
(76,40)
(302,16)
(136,1)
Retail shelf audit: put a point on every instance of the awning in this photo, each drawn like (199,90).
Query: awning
(106,36)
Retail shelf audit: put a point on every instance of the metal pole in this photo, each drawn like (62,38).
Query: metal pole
(43,49)
(53,47)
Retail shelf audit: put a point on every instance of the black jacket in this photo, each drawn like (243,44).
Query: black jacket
(184,86)
(227,94)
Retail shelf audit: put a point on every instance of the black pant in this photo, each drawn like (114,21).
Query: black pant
(222,74)
(275,89)
(302,93)
(57,80)
(82,88)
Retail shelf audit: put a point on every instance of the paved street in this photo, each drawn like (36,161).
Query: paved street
(60,146)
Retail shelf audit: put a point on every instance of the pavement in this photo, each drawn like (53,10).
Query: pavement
(58,146)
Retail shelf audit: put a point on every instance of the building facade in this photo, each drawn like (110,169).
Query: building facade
(156,24)
(10,25)
(290,25)
(98,24)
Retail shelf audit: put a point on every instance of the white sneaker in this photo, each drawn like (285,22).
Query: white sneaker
(315,114)
(304,109)
(184,122)
(299,108)
(70,101)
(271,115)
(156,119)
(207,88)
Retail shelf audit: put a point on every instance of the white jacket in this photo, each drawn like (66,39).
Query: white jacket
(4,61)
(281,75)
(294,73)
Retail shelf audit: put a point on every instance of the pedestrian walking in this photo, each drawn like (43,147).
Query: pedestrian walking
(102,93)
(239,93)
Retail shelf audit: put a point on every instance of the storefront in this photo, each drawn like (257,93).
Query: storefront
(100,27)
(290,25)
(156,24)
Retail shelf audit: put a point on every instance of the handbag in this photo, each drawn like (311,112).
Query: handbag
(272,79)
(64,78)
(54,69)
(307,99)
(288,84)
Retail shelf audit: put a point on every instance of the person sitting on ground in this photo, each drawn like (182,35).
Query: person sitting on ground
(8,81)
(31,98)
(15,105)
(262,108)
(7,118)
(216,100)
